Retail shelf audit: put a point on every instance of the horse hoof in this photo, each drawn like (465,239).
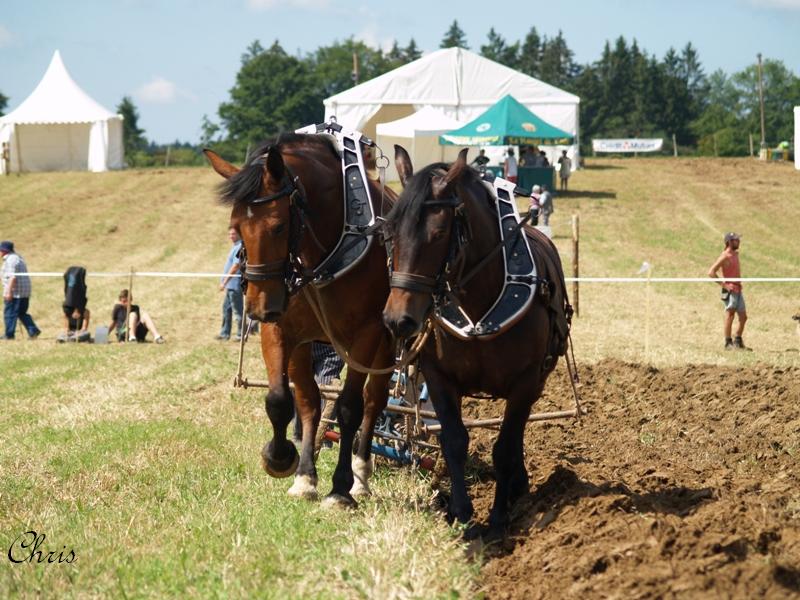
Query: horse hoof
(360,489)
(337,501)
(303,487)
(280,467)
(362,470)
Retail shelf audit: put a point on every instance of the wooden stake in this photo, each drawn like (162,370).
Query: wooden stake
(575,248)
(751,145)
(128,307)
(674,146)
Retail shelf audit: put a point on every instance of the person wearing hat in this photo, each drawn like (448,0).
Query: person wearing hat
(731,293)
(16,292)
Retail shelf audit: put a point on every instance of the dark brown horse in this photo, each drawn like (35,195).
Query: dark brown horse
(446,215)
(287,204)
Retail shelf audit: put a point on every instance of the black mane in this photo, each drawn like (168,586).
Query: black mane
(246,184)
(407,213)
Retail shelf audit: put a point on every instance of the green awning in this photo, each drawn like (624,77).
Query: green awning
(507,123)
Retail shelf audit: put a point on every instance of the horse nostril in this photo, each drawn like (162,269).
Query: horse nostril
(406,326)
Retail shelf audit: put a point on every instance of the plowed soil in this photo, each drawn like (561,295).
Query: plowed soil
(682,482)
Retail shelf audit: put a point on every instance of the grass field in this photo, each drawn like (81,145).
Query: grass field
(144,461)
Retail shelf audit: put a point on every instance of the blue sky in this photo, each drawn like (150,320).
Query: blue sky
(178,59)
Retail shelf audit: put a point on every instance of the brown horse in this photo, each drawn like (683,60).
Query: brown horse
(287,204)
(446,212)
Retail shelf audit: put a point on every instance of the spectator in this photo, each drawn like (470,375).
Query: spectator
(731,293)
(535,199)
(529,158)
(327,364)
(231,286)
(545,205)
(76,324)
(510,167)
(138,322)
(480,161)
(564,169)
(543,162)
(16,293)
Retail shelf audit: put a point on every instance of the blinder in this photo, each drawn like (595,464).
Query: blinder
(443,284)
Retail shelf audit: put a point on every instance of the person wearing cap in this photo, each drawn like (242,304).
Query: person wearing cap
(536,192)
(731,293)
(16,292)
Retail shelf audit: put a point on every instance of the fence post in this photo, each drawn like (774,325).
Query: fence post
(128,307)
(575,248)
(751,145)
(674,146)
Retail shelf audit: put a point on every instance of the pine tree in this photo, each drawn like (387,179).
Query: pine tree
(133,138)
(498,50)
(454,38)
(412,52)
(530,55)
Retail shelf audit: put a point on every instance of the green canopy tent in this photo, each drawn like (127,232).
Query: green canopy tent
(507,123)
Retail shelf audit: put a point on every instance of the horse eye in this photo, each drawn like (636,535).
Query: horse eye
(279,229)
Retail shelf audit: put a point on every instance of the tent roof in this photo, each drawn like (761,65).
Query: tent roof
(455,77)
(507,122)
(426,121)
(58,99)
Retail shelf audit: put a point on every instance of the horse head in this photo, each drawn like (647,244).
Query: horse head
(424,240)
(262,198)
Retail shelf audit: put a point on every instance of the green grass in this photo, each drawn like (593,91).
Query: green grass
(144,459)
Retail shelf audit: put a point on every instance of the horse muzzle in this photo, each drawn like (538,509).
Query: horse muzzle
(268,308)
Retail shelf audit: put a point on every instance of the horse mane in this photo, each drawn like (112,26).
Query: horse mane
(419,188)
(245,185)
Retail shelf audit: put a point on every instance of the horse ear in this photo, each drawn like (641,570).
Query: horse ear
(442,184)
(457,168)
(220,165)
(402,161)
(275,164)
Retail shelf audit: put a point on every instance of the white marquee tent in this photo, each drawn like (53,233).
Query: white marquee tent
(459,84)
(60,128)
(419,134)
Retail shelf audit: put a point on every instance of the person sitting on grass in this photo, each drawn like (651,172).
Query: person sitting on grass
(76,324)
(138,322)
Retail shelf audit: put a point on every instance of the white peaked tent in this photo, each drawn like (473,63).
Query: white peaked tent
(419,134)
(60,128)
(459,84)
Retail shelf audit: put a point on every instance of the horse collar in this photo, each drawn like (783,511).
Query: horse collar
(519,282)
(358,227)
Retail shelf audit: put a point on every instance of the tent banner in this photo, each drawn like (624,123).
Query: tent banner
(628,145)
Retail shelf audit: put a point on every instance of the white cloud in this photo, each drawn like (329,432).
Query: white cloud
(5,37)
(270,4)
(782,4)
(369,35)
(161,91)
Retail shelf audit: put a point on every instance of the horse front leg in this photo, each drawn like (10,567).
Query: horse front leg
(349,412)
(454,441)
(279,457)
(308,403)
(508,456)
(376,395)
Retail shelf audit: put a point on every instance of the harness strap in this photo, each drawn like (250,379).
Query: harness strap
(265,271)
(414,282)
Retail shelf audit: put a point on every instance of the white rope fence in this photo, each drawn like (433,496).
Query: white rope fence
(567,279)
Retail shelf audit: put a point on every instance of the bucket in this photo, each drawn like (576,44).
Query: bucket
(101,334)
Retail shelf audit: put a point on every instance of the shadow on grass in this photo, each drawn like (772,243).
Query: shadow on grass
(590,167)
(592,195)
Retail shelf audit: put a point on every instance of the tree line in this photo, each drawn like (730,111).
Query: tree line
(626,92)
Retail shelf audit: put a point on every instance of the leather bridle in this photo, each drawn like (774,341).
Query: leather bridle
(290,269)
(444,282)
